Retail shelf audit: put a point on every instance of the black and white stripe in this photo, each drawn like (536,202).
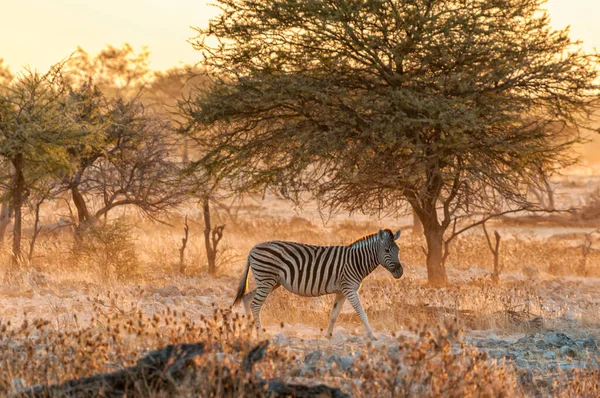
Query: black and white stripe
(310,270)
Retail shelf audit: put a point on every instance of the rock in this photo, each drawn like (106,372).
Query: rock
(492,342)
(308,371)
(528,354)
(15,291)
(394,353)
(496,354)
(338,338)
(542,345)
(567,351)
(589,344)
(550,355)
(531,272)
(280,338)
(40,279)
(501,354)
(525,340)
(537,322)
(558,339)
(168,302)
(569,316)
(190,291)
(169,291)
(343,363)
(12,311)
(567,366)
(47,292)
(18,385)
(313,356)
(522,362)
(526,377)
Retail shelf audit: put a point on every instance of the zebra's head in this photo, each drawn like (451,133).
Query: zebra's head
(388,252)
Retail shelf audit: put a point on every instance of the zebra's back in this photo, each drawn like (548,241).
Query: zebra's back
(307,270)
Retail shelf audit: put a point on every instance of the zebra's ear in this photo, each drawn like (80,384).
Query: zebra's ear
(380,234)
(397,234)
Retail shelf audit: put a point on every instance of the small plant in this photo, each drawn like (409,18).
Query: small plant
(109,249)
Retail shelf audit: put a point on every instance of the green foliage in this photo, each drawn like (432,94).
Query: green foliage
(36,123)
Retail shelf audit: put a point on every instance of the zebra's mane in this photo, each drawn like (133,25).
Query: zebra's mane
(368,239)
(363,241)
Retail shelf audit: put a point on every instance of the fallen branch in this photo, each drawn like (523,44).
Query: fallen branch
(166,370)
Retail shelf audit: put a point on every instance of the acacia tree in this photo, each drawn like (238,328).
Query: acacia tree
(128,162)
(5,74)
(5,210)
(117,71)
(452,107)
(35,130)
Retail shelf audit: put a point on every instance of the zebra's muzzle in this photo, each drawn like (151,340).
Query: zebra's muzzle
(398,271)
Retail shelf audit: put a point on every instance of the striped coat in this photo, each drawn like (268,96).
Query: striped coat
(310,270)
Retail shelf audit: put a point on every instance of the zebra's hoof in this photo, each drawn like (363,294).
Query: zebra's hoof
(329,336)
(372,337)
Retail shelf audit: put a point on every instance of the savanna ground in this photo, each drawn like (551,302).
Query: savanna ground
(71,314)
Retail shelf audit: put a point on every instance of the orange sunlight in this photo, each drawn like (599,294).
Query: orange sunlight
(40,33)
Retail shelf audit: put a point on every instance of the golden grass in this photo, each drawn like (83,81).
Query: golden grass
(121,317)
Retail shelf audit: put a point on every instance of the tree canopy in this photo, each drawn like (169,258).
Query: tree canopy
(36,128)
(451,106)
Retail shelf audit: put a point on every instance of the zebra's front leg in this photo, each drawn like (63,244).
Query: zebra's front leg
(335,312)
(352,296)
(260,295)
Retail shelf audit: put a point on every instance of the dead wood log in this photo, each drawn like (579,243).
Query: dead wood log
(159,368)
(163,372)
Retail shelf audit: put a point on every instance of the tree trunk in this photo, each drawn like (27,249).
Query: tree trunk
(426,212)
(436,270)
(83,214)
(210,252)
(36,230)
(18,196)
(184,241)
(550,192)
(5,216)
(417,224)
(185,158)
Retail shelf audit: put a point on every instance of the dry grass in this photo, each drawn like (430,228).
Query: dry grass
(434,363)
(90,326)
(37,352)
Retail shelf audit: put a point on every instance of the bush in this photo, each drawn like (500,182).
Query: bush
(108,249)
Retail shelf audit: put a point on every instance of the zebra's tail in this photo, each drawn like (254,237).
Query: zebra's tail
(243,284)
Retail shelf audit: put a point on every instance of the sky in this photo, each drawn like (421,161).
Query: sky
(39,33)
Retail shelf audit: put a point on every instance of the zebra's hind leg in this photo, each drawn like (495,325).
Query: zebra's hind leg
(340,299)
(261,292)
(246,300)
(352,296)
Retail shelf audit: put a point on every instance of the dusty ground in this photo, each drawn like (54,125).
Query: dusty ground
(540,324)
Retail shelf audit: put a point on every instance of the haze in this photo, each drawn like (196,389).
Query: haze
(39,33)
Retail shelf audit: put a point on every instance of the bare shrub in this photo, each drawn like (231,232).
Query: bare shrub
(591,210)
(108,249)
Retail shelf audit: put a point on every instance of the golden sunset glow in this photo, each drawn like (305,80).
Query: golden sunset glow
(268,198)
(39,33)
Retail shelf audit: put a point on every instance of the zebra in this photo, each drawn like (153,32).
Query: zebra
(309,270)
